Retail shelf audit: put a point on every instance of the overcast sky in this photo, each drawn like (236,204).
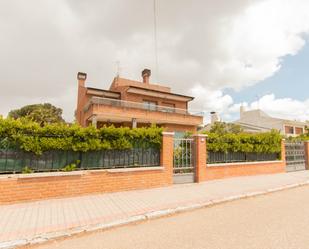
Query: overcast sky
(214,50)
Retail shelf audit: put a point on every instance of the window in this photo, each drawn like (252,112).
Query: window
(299,130)
(150,105)
(168,107)
(289,130)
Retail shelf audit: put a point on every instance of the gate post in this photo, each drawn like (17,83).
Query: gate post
(167,154)
(200,157)
(283,151)
(306,147)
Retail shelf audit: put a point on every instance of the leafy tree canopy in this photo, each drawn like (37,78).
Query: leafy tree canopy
(222,128)
(41,113)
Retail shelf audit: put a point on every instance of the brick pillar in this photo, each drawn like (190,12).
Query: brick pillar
(306,143)
(200,157)
(167,154)
(81,93)
(283,150)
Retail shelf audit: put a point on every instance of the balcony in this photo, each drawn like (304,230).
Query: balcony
(106,109)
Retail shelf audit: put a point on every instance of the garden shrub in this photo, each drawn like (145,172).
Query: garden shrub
(268,142)
(27,170)
(30,136)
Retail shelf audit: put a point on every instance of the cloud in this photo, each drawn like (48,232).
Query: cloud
(261,37)
(205,46)
(228,109)
(286,108)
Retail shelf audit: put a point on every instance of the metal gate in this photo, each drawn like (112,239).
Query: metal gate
(184,168)
(295,156)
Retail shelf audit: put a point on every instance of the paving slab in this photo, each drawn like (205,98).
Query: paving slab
(34,222)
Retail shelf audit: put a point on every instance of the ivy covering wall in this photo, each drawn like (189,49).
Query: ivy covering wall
(30,136)
(269,142)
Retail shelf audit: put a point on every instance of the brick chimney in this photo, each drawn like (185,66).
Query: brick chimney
(81,77)
(146,75)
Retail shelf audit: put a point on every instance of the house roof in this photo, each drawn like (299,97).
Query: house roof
(122,82)
(253,115)
(102,90)
(258,112)
(102,93)
(151,92)
(251,126)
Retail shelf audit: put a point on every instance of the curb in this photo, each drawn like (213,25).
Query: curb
(138,218)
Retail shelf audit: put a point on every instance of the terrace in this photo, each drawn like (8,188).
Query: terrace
(115,110)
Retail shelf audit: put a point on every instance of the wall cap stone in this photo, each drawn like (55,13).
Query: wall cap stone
(167,133)
(242,163)
(199,135)
(78,172)
(134,169)
(44,174)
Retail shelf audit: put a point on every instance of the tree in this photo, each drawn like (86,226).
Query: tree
(41,113)
(222,128)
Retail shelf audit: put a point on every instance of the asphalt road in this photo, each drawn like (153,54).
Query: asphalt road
(275,221)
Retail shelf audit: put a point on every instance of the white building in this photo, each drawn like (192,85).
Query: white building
(258,121)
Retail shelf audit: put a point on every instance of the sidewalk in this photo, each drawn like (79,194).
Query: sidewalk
(39,221)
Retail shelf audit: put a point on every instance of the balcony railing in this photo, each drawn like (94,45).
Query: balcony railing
(137,105)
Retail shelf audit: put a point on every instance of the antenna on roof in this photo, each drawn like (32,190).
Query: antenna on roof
(258,100)
(155,38)
(118,69)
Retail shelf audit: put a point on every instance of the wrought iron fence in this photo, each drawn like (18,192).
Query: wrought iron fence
(295,156)
(15,161)
(231,157)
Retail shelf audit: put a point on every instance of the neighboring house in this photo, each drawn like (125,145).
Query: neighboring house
(131,103)
(214,117)
(255,121)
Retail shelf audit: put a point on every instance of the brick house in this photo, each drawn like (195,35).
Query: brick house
(131,103)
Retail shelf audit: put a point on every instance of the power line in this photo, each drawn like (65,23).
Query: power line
(155,38)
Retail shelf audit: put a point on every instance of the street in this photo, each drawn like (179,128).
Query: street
(277,220)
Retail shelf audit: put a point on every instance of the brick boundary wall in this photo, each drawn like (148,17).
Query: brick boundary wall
(37,186)
(225,170)
(219,171)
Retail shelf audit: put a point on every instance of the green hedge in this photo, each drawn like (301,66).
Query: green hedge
(302,137)
(269,142)
(30,136)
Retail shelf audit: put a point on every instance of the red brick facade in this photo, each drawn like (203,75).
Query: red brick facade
(17,188)
(124,105)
